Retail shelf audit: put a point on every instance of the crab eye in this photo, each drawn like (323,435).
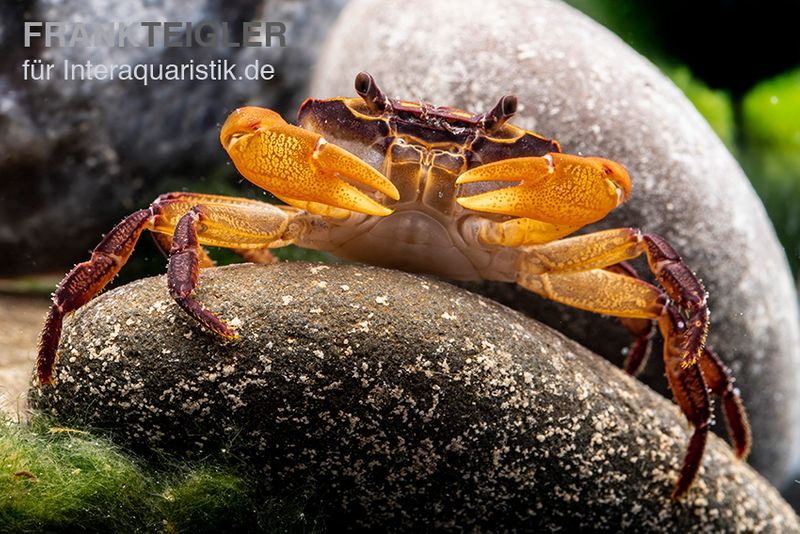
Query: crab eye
(509,105)
(363,83)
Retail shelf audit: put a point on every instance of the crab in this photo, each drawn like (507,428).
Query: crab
(434,190)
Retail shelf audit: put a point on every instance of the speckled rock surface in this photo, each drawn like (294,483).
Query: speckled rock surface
(78,155)
(411,404)
(582,85)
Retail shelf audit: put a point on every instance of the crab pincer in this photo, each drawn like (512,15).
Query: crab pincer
(298,165)
(556,188)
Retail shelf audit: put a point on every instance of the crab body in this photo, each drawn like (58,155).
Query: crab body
(422,150)
(434,190)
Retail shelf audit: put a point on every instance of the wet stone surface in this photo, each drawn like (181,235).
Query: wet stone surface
(580,84)
(409,402)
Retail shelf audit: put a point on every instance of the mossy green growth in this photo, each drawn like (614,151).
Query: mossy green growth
(770,117)
(209,500)
(212,499)
(66,480)
(60,480)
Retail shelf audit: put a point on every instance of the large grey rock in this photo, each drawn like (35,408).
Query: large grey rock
(582,85)
(76,156)
(408,403)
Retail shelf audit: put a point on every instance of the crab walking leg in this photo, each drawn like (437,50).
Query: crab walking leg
(236,223)
(241,225)
(85,280)
(232,223)
(523,231)
(539,265)
(689,388)
(180,203)
(184,269)
(720,383)
(552,272)
(184,258)
(641,330)
(621,295)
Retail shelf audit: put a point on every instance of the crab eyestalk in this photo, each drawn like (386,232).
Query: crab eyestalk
(375,99)
(297,164)
(495,118)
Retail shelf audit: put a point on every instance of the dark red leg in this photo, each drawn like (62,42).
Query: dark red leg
(183,270)
(683,380)
(720,383)
(684,326)
(689,389)
(685,290)
(85,280)
(567,271)
(164,244)
(237,223)
(641,330)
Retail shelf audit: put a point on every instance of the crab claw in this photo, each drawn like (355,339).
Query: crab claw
(555,188)
(297,164)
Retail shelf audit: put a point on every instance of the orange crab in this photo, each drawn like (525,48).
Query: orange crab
(434,190)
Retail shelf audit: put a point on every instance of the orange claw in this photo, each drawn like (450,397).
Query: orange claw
(555,188)
(300,165)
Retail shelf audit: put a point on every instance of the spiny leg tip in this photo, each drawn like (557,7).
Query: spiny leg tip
(43,381)
(743,453)
(223,330)
(679,493)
